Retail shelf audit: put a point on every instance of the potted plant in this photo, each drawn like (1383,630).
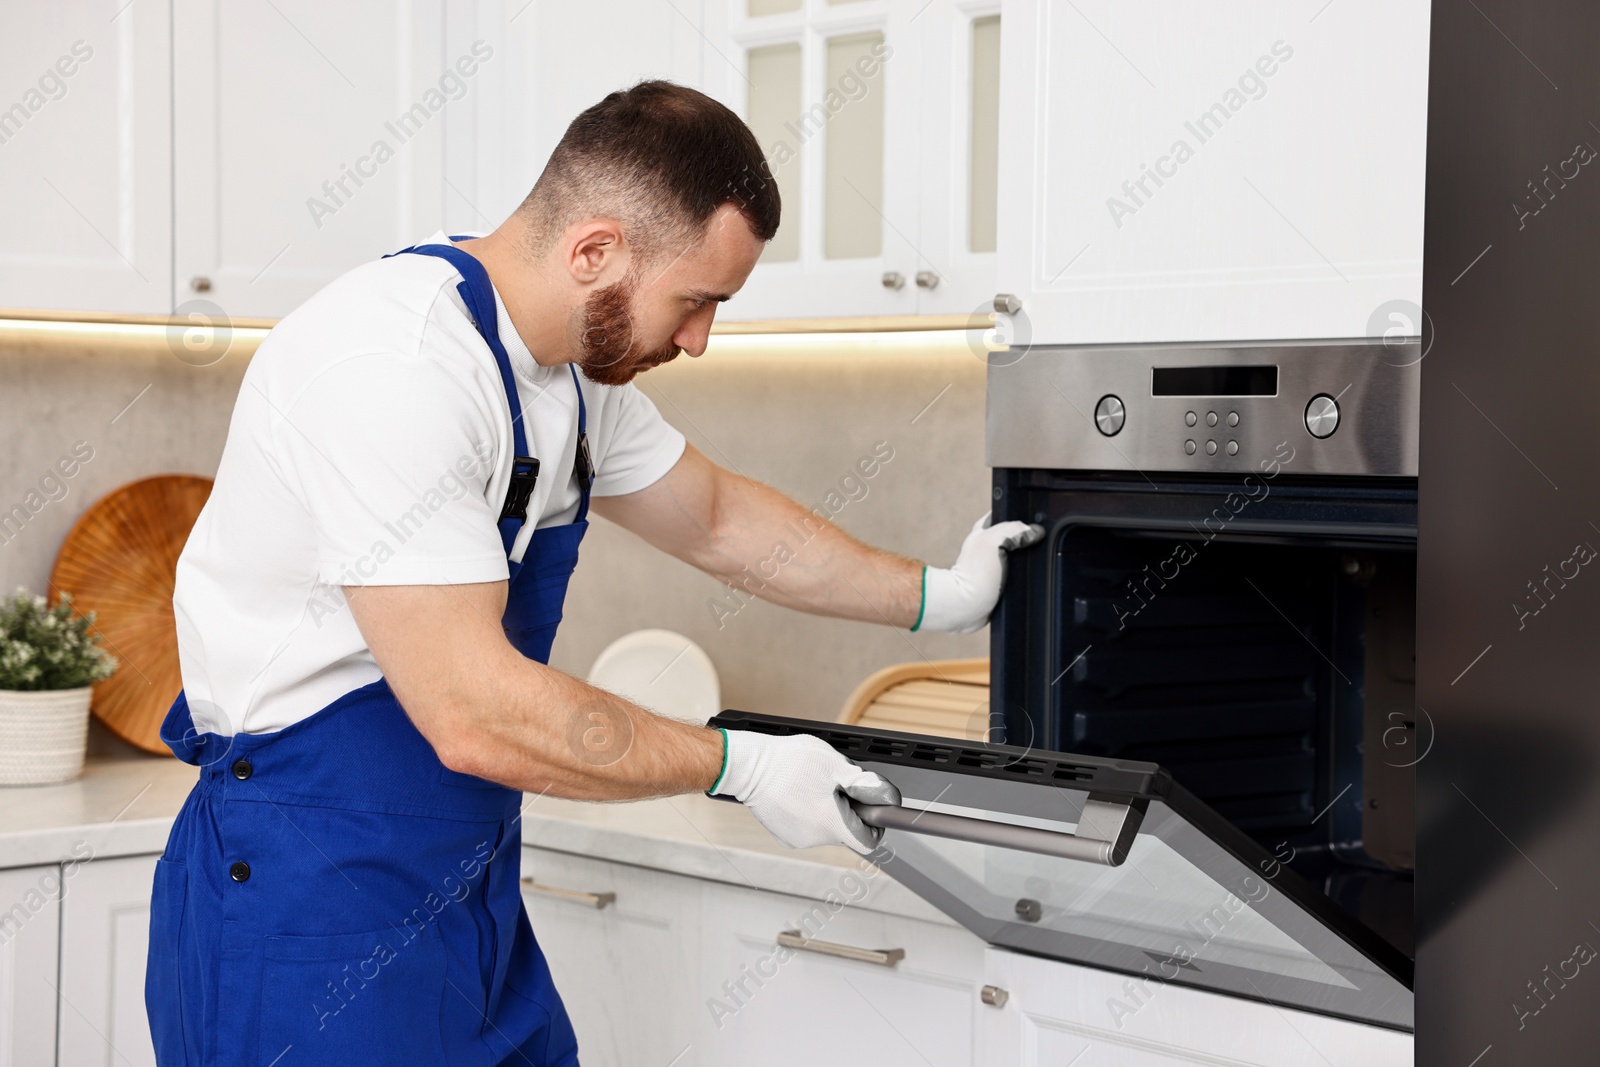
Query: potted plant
(48,663)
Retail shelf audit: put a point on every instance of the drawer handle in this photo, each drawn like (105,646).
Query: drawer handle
(883,957)
(588,900)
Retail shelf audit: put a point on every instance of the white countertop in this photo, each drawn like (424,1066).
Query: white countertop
(125,807)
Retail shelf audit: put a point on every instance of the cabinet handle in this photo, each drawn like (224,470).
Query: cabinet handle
(893,279)
(1007,303)
(927,279)
(200,283)
(994,996)
(883,957)
(588,900)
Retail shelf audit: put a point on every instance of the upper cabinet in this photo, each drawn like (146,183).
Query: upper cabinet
(1225,171)
(879,120)
(86,156)
(311,139)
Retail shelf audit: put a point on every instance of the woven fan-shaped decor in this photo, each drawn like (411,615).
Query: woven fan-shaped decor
(119,562)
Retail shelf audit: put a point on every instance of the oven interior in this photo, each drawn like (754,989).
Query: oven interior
(1268,665)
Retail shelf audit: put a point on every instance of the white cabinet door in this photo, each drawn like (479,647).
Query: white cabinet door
(1059,1013)
(30,924)
(1181,172)
(832,92)
(85,157)
(105,937)
(958,160)
(625,970)
(763,1003)
(310,140)
(562,58)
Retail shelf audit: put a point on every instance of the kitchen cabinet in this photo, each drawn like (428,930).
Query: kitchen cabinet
(312,140)
(1057,1013)
(86,157)
(623,947)
(549,75)
(1220,172)
(908,998)
(105,937)
(880,122)
(29,932)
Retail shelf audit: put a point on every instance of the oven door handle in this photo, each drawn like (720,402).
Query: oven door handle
(1105,832)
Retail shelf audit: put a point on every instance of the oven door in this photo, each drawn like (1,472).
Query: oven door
(1111,864)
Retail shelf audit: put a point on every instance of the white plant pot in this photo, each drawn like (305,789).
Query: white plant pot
(42,735)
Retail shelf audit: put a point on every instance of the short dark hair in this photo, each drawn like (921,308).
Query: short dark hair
(659,157)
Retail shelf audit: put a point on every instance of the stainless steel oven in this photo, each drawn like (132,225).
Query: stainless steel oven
(1202,715)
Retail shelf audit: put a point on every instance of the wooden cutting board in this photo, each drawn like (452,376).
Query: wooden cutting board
(120,561)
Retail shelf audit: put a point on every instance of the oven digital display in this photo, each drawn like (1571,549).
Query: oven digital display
(1214,381)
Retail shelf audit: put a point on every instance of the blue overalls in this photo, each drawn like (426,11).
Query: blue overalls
(331,893)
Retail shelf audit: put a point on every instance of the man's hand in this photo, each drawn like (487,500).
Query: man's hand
(800,789)
(959,600)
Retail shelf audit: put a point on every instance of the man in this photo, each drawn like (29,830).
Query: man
(366,604)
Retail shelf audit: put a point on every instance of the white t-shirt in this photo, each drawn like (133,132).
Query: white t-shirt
(371,445)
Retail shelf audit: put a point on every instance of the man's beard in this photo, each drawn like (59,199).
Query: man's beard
(606,338)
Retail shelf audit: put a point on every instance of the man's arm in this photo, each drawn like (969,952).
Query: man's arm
(749,535)
(489,711)
(754,538)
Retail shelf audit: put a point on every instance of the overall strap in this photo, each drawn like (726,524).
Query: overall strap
(478,295)
(582,464)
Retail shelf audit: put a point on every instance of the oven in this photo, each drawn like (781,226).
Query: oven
(1203,730)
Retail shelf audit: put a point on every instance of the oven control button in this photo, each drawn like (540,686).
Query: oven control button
(1189,418)
(1233,448)
(1211,418)
(1233,418)
(1188,446)
(1211,448)
(1109,414)
(1322,416)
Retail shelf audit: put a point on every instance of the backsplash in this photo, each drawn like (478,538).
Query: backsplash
(883,433)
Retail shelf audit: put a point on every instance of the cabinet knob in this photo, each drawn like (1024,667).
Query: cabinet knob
(893,279)
(200,283)
(1007,303)
(927,279)
(994,996)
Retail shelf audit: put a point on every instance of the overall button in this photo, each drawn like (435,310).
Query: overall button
(239,872)
(1211,448)
(1233,418)
(1211,418)
(242,769)
(1189,418)
(1233,448)
(1188,446)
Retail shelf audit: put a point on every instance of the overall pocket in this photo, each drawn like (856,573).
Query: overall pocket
(352,999)
(163,989)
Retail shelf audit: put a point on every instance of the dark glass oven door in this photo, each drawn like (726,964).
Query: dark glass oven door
(1111,864)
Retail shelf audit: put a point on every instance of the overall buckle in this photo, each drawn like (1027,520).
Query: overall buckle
(520,491)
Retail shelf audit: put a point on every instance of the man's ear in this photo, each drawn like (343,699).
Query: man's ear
(592,247)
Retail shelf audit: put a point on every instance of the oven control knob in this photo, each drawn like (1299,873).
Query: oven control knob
(1322,416)
(1109,414)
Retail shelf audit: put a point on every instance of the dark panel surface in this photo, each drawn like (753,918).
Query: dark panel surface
(1508,610)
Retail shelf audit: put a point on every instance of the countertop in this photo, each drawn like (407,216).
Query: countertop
(125,807)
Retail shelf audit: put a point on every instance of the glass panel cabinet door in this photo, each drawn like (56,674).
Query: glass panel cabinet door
(831,91)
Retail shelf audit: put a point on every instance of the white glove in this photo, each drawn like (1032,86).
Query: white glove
(796,787)
(960,599)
